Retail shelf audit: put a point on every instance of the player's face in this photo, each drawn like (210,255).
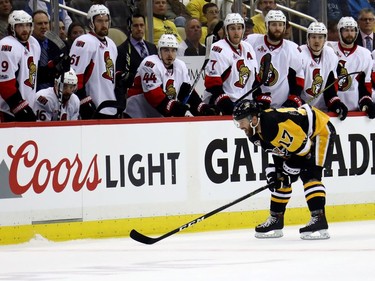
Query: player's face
(23,31)
(138,28)
(235,32)
(244,125)
(101,25)
(348,35)
(316,42)
(276,30)
(168,56)
(68,90)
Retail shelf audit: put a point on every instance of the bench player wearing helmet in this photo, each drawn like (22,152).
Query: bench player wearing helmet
(58,102)
(93,58)
(320,65)
(299,140)
(19,56)
(354,91)
(285,81)
(162,85)
(232,68)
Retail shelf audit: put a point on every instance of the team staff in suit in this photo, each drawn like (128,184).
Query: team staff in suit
(366,24)
(131,54)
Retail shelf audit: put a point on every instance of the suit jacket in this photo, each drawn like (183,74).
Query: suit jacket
(359,41)
(135,61)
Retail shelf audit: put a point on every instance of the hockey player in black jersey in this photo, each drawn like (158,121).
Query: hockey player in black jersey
(299,140)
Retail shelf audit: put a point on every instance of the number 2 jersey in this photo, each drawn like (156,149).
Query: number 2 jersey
(285,76)
(19,64)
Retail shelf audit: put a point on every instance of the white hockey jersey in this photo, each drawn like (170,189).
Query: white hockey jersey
(233,70)
(286,63)
(316,75)
(350,91)
(19,64)
(94,63)
(48,108)
(152,83)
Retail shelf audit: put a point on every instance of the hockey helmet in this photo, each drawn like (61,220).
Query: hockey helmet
(18,17)
(245,108)
(346,22)
(233,18)
(274,15)
(167,41)
(317,28)
(70,78)
(96,10)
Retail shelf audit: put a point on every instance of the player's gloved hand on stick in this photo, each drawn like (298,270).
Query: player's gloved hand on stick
(366,105)
(176,108)
(264,100)
(293,101)
(205,109)
(87,108)
(339,108)
(272,178)
(61,63)
(20,108)
(224,104)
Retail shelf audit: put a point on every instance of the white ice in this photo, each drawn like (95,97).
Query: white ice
(224,255)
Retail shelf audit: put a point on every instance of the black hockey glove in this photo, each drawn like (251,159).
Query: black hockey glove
(205,109)
(87,108)
(366,105)
(20,108)
(289,175)
(272,178)
(175,108)
(339,108)
(264,100)
(61,63)
(223,103)
(293,101)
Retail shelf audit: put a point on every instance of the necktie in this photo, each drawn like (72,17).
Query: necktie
(43,62)
(143,49)
(369,43)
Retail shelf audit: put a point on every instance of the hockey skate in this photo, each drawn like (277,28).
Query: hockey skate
(316,228)
(272,227)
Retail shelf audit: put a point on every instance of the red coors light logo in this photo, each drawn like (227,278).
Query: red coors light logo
(26,157)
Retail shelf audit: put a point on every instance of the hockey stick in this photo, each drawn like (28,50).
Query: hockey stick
(206,59)
(149,240)
(330,85)
(266,68)
(56,40)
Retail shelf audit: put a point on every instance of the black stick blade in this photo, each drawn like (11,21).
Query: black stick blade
(265,64)
(142,238)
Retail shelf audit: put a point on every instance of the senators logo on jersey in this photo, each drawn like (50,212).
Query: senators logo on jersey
(109,66)
(272,76)
(243,73)
(30,82)
(317,83)
(344,82)
(170,90)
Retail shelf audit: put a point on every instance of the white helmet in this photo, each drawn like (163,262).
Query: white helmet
(345,22)
(96,10)
(233,18)
(167,41)
(317,28)
(274,15)
(70,78)
(17,17)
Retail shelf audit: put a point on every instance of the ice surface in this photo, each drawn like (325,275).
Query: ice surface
(224,255)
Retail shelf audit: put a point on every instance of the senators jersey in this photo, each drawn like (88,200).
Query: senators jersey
(320,72)
(233,71)
(352,88)
(94,62)
(152,83)
(289,131)
(47,107)
(19,64)
(286,75)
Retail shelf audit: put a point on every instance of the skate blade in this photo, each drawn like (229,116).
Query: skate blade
(317,235)
(271,234)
